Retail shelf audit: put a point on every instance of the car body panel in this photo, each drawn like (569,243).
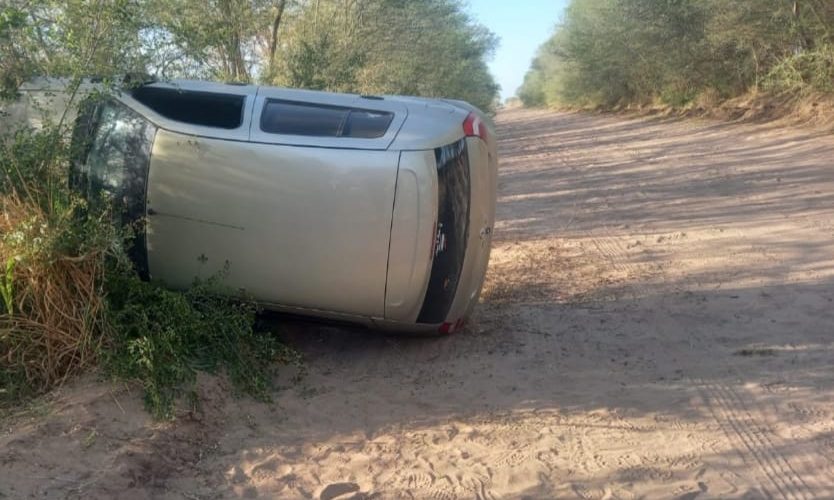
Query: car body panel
(412,235)
(298,226)
(431,124)
(482,220)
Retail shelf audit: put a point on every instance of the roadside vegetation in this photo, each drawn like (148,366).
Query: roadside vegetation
(428,48)
(69,297)
(684,54)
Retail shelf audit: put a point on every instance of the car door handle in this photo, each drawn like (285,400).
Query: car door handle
(151,211)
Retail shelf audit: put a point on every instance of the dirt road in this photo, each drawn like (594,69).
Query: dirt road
(657,322)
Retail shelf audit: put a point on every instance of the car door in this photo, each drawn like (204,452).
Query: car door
(299,218)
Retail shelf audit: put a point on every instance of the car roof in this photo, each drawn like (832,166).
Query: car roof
(427,122)
(412,103)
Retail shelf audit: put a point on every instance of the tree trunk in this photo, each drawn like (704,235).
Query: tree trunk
(805,40)
(237,66)
(273,43)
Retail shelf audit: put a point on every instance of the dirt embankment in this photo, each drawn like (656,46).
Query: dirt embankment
(657,322)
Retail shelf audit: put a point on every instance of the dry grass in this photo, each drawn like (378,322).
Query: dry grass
(53,330)
(806,108)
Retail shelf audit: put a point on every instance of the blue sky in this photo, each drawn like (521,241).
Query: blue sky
(523,25)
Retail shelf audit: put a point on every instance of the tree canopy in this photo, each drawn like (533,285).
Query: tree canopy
(416,47)
(613,52)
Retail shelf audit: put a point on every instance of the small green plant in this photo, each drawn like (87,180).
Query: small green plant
(161,338)
(7,286)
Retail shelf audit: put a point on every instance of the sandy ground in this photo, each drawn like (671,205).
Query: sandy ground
(657,323)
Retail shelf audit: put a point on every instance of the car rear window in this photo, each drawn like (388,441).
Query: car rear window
(318,120)
(209,109)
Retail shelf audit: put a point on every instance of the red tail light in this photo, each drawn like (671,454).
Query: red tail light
(452,327)
(473,126)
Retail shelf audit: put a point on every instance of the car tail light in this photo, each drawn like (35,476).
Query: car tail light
(450,327)
(473,126)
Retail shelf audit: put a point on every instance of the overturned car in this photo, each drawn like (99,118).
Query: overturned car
(373,210)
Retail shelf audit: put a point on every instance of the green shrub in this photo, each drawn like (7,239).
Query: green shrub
(678,96)
(807,70)
(161,338)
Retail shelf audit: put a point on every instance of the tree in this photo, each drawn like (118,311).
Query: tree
(611,52)
(273,41)
(69,38)
(215,38)
(418,47)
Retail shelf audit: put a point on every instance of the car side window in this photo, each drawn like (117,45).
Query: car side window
(208,109)
(318,120)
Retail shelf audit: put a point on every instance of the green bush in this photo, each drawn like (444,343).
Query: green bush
(808,70)
(162,338)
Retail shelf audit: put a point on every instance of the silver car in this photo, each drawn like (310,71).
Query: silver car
(374,210)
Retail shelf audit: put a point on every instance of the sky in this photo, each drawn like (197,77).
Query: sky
(522,25)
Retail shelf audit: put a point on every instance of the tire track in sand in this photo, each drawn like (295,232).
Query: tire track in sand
(756,442)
